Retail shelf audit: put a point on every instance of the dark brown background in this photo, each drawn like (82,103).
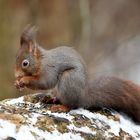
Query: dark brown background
(105,32)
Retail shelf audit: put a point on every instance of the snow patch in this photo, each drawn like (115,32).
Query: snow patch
(115,126)
(25,132)
(14,101)
(7,129)
(61,115)
(81,129)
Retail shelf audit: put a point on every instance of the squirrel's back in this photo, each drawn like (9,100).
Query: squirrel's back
(67,55)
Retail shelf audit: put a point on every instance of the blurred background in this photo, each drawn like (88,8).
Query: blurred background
(105,32)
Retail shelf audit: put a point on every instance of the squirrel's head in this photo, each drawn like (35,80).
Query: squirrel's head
(28,56)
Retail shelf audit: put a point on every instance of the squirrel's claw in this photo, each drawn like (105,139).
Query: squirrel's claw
(19,84)
(53,100)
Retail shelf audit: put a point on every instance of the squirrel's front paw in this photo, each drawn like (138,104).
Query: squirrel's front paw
(21,83)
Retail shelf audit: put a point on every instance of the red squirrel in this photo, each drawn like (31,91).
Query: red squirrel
(64,70)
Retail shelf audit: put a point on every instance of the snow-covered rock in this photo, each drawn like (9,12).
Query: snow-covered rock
(30,118)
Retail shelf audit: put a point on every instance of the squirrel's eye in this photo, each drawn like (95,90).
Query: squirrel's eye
(25,63)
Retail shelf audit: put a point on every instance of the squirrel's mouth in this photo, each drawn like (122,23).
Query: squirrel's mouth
(19,75)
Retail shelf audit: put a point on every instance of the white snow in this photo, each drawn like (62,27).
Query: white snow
(14,101)
(62,115)
(81,129)
(25,132)
(70,136)
(115,126)
(7,129)
(33,118)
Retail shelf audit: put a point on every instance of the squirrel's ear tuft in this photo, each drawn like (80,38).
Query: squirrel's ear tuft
(28,35)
